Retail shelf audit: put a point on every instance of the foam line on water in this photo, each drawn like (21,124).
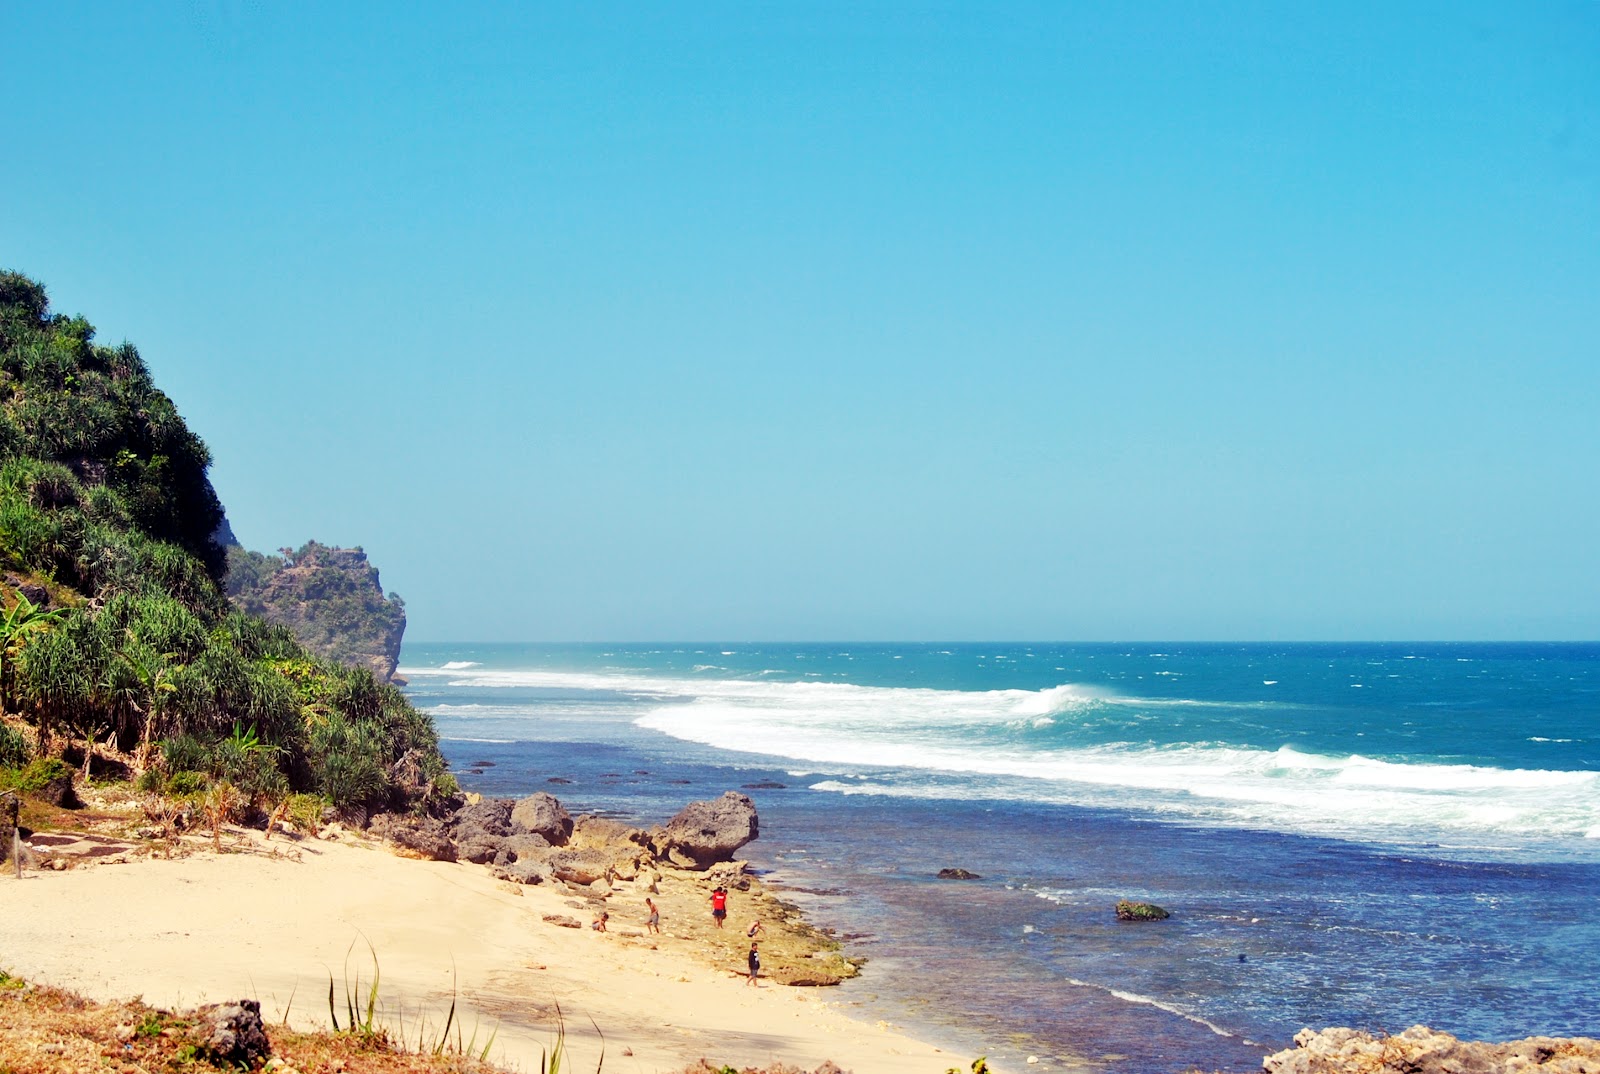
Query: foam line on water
(1026,744)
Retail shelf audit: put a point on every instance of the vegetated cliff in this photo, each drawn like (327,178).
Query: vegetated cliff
(118,646)
(329,597)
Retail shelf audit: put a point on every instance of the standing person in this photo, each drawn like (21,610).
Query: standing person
(653,923)
(755,965)
(719,905)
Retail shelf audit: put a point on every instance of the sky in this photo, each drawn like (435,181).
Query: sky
(857,322)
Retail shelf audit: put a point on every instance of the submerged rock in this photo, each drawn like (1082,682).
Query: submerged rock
(1420,1050)
(1140,911)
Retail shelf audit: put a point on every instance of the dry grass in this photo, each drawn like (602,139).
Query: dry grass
(48,1031)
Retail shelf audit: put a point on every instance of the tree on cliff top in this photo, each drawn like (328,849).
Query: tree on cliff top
(107,517)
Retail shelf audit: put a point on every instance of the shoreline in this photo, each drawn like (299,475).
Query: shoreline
(276,921)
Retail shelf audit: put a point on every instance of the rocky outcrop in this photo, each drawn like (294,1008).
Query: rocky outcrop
(958,874)
(704,833)
(421,835)
(231,1034)
(1140,911)
(542,814)
(329,597)
(1420,1050)
(536,840)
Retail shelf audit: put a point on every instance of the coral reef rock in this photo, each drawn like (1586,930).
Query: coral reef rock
(704,833)
(1420,1050)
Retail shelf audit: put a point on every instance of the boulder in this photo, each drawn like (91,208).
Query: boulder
(514,848)
(486,816)
(704,833)
(563,921)
(231,1033)
(958,874)
(423,835)
(542,814)
(1420,1050)
(603,833)
(1140,911)
(479,829)
(522,872)
(578,866)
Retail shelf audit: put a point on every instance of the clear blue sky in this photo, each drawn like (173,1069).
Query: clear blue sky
(850,321)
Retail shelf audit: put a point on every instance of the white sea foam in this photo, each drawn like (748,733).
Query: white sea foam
(1020,744)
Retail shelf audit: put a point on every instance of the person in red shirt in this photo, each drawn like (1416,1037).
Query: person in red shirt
(719,905)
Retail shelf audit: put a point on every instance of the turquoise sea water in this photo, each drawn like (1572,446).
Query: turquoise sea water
(1347,834)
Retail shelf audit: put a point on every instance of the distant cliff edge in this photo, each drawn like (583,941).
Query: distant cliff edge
(329,597)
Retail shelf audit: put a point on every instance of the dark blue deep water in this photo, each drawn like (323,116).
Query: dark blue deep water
(1367,835)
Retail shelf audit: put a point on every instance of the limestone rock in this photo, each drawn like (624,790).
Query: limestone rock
(479,828)
(542,814)
(1140,911)
(704,833)
(563,921)
(231,1033)
(424,835)
(330,597)
(606,834)
(522,872)
(1420,1050)
(582,867)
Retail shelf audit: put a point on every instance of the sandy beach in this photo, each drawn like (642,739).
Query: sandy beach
(273,921)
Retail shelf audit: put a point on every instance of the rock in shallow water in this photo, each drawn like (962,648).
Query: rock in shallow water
(1140,911)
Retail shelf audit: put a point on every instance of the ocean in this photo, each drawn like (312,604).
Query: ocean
(1371,835)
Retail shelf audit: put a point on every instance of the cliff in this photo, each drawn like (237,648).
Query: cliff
(329,597)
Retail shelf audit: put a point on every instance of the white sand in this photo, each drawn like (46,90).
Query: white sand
(250,924)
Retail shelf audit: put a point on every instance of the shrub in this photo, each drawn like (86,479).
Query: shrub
(14,752)
(187,784)
(39,773)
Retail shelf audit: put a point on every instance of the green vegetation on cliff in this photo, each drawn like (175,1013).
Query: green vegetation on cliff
(117,639)
(329,597)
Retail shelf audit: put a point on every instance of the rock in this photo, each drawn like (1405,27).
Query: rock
(37,595)
(581,867)
(480,828)
(58,791)
(958,874)
(522,872)
(1420,1050)
(563,921)
(1140,911)
(542,814)
(607,834)
(424,835)
(766,785)
(514,848)
(231,1033)
(704,833)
